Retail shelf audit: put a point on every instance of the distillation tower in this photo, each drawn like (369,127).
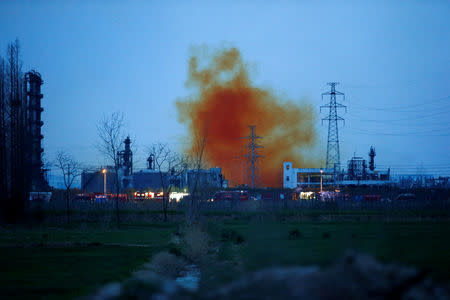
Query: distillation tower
(33,82)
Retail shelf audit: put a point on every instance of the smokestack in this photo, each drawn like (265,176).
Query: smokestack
(372,158)
(33,82)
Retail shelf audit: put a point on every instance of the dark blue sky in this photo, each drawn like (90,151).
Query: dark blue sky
(391,57)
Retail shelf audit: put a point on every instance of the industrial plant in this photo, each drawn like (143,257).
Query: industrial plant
(25,133)
(103,179)
(358,171)
(206,150)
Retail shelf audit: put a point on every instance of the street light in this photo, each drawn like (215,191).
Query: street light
(104,181)
(321,172)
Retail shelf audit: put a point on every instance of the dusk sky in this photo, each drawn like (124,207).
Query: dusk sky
(391,58)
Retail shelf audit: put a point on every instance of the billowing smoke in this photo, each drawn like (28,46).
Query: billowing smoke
(225,102)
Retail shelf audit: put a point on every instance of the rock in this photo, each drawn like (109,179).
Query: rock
(109,291)
(355,276)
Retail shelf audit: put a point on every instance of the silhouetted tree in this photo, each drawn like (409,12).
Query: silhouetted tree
(3,130)
(110,132)
(14,153)
(170,165)
(70,169)
(197,162)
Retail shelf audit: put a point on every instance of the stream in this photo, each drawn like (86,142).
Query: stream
(189,278)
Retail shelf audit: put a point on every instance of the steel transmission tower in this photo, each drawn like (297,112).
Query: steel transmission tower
(333,156)
(253,173)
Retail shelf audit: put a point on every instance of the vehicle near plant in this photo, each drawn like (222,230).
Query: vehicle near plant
(141,196)
(372,198)
(406,197)
(40,196)
(99,197)
(230,196)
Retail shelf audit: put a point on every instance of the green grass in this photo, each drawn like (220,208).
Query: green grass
(148,234)
(70,272)
(56,273)
(423,245)
(99,212)
(320,212)
(65,273)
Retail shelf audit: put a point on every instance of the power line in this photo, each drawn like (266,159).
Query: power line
(415,133)
(423,116)
(395,108)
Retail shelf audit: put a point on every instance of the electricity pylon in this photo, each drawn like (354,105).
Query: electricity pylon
(253,172)
(333,156)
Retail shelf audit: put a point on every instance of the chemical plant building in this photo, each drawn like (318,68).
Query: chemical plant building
(148,179)
(99,180)
(357,171)
(357,174)
(310,177)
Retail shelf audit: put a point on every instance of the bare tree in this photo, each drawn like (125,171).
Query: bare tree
(70,169)
(110,132)
(18,178)
(170,165)
(15,137)
(196,162)
(3,136)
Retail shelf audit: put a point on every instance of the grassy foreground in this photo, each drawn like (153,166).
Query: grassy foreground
(42,267)
(68,263)
(423,245)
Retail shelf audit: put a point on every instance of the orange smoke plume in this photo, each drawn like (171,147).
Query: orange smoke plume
(225,103)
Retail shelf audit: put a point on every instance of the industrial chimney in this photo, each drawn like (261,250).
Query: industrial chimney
(372,158)
(33,82)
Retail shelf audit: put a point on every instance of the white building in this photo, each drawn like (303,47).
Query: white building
(311,177)
(299,177)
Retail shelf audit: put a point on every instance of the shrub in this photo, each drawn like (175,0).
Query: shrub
(175,249)
(230,235)
(326,235)
(295,234)
(37,214)
(167,264)
(195,243)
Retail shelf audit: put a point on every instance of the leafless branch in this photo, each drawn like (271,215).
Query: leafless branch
(110,132)
(170,165)
(70,170)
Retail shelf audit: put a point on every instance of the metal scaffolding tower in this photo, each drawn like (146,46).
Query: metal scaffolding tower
(33,82)
(126,163)
(333,156)
(252,156)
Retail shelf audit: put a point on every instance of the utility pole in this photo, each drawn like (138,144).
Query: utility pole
(333,156)
(104,181)
(253,174)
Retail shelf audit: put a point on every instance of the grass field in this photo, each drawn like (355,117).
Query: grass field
(423,245)
(33,268)
(56,272)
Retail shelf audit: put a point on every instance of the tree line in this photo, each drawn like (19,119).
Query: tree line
(16,149)
(15,154)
